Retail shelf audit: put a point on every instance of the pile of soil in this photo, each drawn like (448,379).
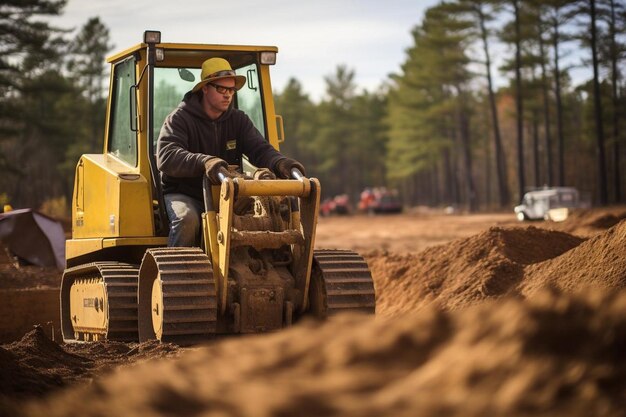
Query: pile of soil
(589,222)
(557,355)
(463,272)
(36,365)
(598,263)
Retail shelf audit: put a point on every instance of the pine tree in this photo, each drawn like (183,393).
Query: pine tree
(482,13)
(87,65)
(299,120)
(29,50)
(429,107)
(612,49)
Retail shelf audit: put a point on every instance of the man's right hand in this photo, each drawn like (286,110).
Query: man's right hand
(213,166)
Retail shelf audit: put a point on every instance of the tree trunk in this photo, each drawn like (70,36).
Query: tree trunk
(434,185)
(448,196)
(602,181)
(464,132)
(503,187)
(519,102)
(617,182)
(546,114)
(488,197)
(559,105)
(535,133)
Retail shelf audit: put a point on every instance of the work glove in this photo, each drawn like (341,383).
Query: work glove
(214,166)
(283,167)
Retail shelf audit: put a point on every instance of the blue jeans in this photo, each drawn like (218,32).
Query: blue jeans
(185,221)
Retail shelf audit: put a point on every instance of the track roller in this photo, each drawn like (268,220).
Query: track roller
(177,296)
(340,282)
(99,301)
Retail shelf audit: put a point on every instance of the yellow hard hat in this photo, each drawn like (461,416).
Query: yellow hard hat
(216,69)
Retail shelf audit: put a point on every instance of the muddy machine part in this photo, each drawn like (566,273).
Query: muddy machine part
(99,301)
(260,273)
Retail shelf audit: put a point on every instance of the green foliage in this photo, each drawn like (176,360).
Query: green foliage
(49,115)
(429,104)
(88,56)
(340,140)
(426,130)
(29,56)
(299,119)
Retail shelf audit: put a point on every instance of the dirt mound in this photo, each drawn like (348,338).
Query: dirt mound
(110,354)
(557,355)
(590,222)
(464,272)
(36,365)
(600,262)
(606,221)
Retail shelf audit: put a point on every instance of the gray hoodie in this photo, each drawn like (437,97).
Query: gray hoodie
(189,137)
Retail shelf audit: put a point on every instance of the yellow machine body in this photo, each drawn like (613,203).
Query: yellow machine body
(115,208)
(258,270)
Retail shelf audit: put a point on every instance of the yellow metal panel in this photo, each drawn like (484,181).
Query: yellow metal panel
(227,200)
(268,103)
(139,241)
(135,211)
(75,248)
(191,47)
(79,247)
(125,53)
(87,302)
(116,202)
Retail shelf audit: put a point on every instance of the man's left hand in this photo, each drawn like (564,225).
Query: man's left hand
(283,167)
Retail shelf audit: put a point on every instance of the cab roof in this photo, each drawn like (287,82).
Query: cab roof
(192,51)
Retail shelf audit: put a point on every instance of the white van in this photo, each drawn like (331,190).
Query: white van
(548,204)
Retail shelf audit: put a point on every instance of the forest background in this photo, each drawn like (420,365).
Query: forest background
(438,130)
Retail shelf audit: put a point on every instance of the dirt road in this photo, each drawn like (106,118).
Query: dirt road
(404,233)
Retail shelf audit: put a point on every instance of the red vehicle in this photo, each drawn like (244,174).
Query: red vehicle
(380,200)
(339,204)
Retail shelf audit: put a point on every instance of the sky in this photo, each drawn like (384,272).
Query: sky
(313,38)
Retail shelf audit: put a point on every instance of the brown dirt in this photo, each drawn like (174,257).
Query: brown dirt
(29,295)
(463,272)
(476,315)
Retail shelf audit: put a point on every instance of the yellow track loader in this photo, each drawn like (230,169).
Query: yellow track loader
(257,270)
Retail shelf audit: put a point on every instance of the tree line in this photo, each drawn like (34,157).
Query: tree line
(52,105)
(485,106)
(445,134)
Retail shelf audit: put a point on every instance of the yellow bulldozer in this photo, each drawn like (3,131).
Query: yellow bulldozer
(257,270)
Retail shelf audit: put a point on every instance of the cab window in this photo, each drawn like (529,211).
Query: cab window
(171,84)
(249,97)
(122,141)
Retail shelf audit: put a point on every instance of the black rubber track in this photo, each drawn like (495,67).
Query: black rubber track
(347,281)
